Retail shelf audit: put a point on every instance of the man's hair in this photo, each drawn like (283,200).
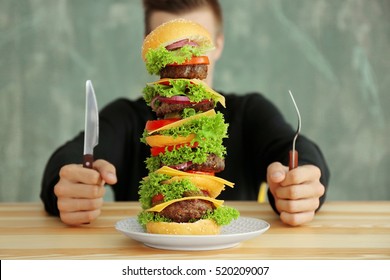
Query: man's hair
(178,7)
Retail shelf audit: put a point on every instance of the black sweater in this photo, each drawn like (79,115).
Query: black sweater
(258,136)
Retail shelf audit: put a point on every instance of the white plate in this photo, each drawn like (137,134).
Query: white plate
(237,231)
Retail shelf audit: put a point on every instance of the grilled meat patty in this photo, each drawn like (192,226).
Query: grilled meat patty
(187,210)
(213,164)
(191,71)
(168,108)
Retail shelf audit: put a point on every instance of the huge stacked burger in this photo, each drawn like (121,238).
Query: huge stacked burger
(179,194)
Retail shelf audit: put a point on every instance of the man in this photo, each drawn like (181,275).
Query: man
(258,145)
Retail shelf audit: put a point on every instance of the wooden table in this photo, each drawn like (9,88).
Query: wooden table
(341,230)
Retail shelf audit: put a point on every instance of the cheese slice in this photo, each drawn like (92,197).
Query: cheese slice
(165,140)
(161,81)
(159,207)
(173,172)
(208,113)
(212,187)
(217,96)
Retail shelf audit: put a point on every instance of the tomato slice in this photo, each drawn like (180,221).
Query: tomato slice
(158,198)
(193,60)
(205,193)
(200,172)
(155,151)
(156,124)
(166,140)
(167,81)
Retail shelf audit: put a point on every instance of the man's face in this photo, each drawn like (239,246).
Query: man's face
(204,17)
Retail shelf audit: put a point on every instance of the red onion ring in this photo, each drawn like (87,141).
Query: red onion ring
(180,99)
(180,44)
(153,102)
(181,166)
(175,99)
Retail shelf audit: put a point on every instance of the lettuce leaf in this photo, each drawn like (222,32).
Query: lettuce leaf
(153,184)
(156,59)
(178,87)
(209,134)
(146,217)
(222,216)
(197,155)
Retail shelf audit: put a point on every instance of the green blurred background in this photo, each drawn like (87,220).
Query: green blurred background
(334,55)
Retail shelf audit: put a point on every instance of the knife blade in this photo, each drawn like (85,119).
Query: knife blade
(91,132)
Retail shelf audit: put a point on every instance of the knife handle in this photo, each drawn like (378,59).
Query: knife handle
(88,161)
(293,162)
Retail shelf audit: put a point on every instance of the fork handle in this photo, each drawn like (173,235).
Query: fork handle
(293,162)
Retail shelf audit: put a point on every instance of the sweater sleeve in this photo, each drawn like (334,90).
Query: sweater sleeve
(264,136)
(277,138)
(70,152)
(120,125)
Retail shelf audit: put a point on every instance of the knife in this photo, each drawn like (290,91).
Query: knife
(91,133)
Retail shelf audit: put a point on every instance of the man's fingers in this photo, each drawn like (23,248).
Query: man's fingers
(79,204)
(106,170)
(78,174)
(103,172)
(79,191)
(302,174)
(313,190)
(276,172)
(296,191)
(79,218)
(297,206)
(297,218)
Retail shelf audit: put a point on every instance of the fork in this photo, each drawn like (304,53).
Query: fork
(293,155)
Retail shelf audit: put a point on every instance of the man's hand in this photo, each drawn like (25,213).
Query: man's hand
(297,192)
(80,191)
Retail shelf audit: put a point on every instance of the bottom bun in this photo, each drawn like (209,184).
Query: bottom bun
(201,227)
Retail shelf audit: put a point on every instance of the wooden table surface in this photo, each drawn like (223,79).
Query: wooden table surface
(341,230)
